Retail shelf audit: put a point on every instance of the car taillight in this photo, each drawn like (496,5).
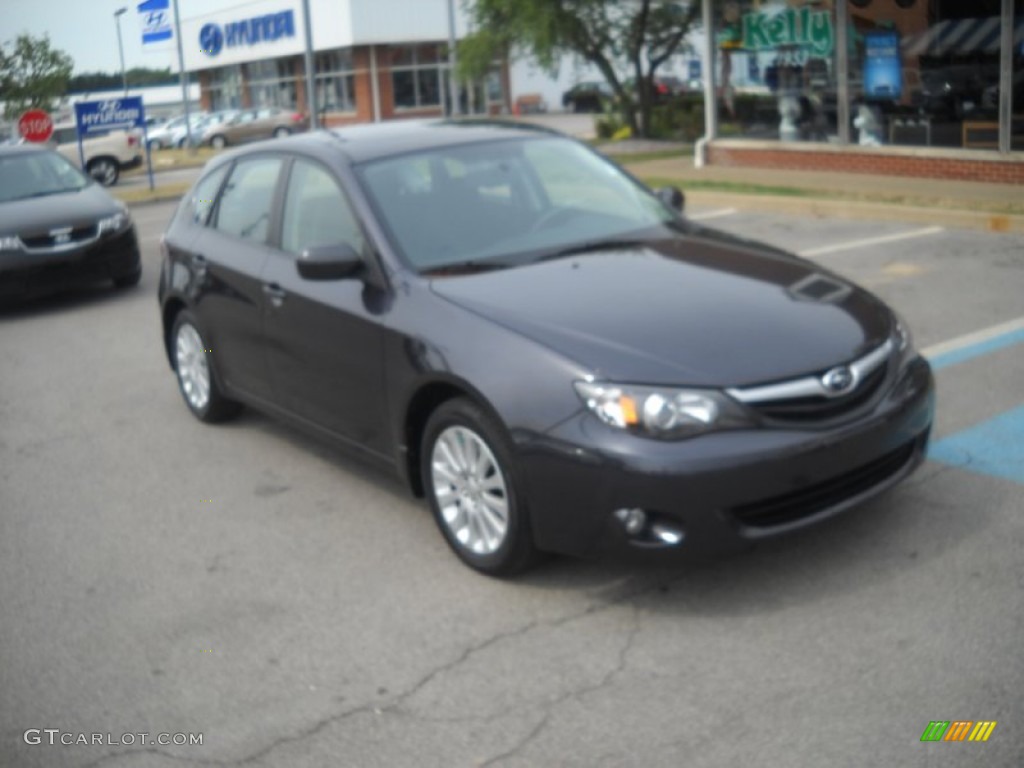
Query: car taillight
(132,141)
(662,88)
(297,117)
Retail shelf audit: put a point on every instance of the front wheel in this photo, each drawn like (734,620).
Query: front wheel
(218,142)
(280,133)
(105,170)
(196,378)
(471,485)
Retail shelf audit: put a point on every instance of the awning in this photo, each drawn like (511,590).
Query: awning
(960,37)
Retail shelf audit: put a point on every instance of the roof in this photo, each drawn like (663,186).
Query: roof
(375,140)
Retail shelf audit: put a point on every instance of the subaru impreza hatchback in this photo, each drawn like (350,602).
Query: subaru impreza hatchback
(548,351)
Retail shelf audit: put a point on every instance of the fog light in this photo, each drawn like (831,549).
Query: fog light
(666,534)
(633,520)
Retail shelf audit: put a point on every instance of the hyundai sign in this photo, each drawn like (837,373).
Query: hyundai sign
(155,20)
(259,29)
(103,116)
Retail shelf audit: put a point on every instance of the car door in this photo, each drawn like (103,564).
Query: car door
(227,258)
(324,342)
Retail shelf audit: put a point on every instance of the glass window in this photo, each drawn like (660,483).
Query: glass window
(316,211)
(505,199)
(925,74)
(245,204)
(776,70)
(224,87)
(204,194)
(417,72)
(335,81)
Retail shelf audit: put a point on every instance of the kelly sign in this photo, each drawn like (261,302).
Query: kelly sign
(810,30)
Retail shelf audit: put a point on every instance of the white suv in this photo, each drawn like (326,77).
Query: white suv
(105,156)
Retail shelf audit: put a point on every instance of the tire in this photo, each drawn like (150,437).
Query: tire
(280,133)
(219,141)
(105,170)
(191,359)
(128,281)
(156,144)
(472,506)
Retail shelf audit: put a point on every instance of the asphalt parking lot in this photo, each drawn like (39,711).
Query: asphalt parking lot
(246,583)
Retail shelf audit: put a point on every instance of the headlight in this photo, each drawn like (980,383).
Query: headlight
(658,411)
(901,335)
(10,243)
(113,223)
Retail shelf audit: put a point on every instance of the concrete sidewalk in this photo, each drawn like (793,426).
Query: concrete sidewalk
(974,205)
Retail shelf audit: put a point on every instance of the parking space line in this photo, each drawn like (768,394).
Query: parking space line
(852,244)
(994,447)
(712,214)
(971,345)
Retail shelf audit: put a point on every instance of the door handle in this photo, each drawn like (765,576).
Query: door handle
(275,293)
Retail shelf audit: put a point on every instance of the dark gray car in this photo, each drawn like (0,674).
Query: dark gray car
(549,352)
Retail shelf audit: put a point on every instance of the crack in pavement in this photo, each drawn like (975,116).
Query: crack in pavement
(643,586)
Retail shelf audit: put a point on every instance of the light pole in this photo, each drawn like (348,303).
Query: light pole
(120,47)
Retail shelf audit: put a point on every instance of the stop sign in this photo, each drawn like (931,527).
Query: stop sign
(35,125)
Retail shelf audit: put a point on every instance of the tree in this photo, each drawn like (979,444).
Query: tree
(32,74)
(137,77)
(624,39)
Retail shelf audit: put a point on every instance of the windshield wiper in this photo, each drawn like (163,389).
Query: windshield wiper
(593,246)
(464,268)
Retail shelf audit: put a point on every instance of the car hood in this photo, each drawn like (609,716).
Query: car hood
(701,310)
(40,214)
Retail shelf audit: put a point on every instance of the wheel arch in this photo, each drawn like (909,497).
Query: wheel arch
(171,309)
(425,400)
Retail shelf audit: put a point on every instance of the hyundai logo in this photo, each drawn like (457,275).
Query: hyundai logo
(211,39)
(839,380)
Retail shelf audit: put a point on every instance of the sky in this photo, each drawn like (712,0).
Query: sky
(86,29)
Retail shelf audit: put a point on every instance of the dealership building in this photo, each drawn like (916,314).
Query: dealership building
(373,61)
(931,88)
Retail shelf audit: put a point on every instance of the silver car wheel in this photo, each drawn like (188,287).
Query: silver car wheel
(193,369)
(470,491)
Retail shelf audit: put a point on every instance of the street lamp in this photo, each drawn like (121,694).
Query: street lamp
(120,47)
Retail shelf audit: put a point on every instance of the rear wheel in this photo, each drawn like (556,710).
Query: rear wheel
(280,133)
(104,169)
(219,141)
(197,379)
(471,485)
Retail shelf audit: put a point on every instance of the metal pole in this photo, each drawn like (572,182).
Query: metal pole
(374,84)
(842,73)
(1006,78)
(183,75)
(453,83)
(120,48)
(314,118)
(710,100)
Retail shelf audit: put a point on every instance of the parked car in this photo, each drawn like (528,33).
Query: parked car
(548,351)
(255,124)
(58,227)
(591,96)
(105,155)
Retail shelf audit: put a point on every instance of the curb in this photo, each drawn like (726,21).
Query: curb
(846,209)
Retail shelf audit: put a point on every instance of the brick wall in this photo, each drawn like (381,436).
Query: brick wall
(856,160)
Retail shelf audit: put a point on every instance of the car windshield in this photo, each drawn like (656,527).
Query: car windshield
(509,202)
(37,174)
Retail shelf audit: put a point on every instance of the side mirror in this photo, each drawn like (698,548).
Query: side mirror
(329,262)
(673,197)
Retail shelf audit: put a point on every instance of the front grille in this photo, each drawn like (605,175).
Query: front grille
(76,235)
(808,501)
(820,408)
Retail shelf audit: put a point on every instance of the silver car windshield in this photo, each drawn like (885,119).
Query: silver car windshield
(505,200)
(37,174)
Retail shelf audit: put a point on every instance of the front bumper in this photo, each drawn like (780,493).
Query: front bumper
(722,490)
(25,274)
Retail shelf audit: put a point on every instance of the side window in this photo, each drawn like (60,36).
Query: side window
(201,202)
(316,211)
(245,204)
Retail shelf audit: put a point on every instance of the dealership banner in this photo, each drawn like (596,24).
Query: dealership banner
(155,21)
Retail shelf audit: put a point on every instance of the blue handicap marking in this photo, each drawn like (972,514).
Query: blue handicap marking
(994,447)
(956,356)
